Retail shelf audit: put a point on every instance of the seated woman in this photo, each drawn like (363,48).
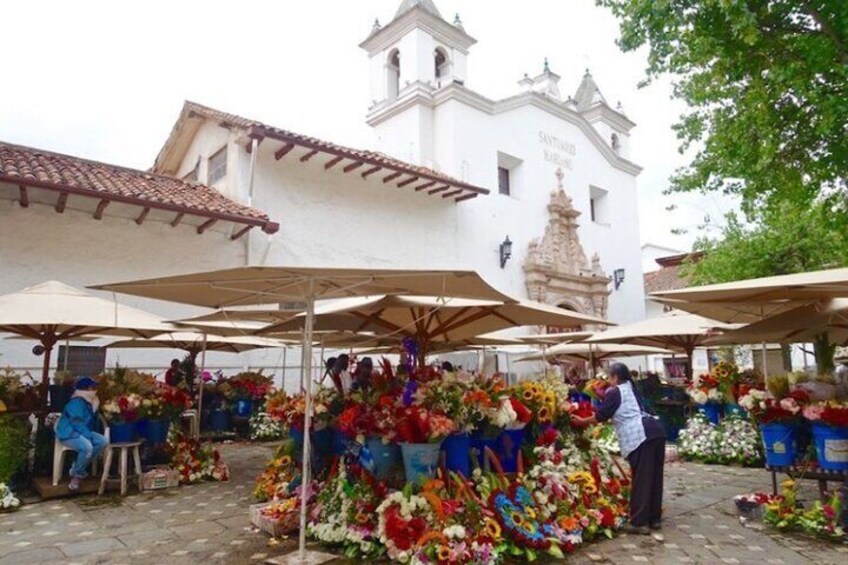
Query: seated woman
(75,428)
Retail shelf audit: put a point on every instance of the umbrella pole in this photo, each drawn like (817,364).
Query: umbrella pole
(45,378)
(200,398)
(67,351)
(307,370)
(283,379)
(765,361)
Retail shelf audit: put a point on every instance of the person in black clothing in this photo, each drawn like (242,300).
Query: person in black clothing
(642,441)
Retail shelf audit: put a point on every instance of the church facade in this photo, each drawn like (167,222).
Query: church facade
(457,180)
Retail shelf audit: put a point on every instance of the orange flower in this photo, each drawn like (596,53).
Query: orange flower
(569,523)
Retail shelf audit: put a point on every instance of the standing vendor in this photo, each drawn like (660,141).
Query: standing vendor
(75,429)
(641,438)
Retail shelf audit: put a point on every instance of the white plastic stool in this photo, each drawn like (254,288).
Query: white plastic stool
(107,462)
(59,450)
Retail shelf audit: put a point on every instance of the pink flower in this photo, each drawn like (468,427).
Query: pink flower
(790,405)
(813,412)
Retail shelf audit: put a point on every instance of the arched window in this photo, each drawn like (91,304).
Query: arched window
(393,74)
(441,61)
(615,143)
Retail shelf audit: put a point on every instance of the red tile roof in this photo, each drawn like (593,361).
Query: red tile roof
(260,130)
(64,173)
(667,278)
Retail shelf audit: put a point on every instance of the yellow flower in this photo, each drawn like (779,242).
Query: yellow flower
(492,529)
(517,518)
(788,484)
(544,414)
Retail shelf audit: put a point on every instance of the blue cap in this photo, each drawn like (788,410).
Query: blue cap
(85,382)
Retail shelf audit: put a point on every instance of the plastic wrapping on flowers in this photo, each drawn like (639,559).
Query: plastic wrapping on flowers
(822,520)
(8,500)
(196,461)
(733,441)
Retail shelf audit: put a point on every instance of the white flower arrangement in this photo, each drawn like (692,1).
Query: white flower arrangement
(734,440)
(8,500)
(263,428)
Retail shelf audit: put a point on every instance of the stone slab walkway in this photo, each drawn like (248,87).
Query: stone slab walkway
(208,523)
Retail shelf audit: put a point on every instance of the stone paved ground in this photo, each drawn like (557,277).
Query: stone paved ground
(208,523)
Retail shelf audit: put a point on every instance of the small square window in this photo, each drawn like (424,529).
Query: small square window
(503,180)
(217,166)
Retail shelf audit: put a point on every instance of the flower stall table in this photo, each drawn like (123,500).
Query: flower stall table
(124,448)
(823,477)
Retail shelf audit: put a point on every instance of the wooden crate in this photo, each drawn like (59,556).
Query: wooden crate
(160,477)
(274,528)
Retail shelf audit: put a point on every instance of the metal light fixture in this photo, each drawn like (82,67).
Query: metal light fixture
(618,277)
(506,251)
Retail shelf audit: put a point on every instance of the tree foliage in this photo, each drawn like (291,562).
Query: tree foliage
(767,86)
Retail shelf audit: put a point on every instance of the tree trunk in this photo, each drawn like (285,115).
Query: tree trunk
(786,354)
(824,351)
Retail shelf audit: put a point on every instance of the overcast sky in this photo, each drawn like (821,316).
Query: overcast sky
(106,80)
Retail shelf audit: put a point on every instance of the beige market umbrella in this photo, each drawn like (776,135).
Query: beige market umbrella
(431,321)
(193,342)
(801,324)
(53,311)
(590,352)
(677,331)
(554,338)
(269,285)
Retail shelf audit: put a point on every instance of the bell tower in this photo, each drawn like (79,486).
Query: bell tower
(410,59)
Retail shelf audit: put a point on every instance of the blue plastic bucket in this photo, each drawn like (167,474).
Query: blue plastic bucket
(155,431)
(779,443)
(831,446)
(420,461)
(386,457)
(122,433)
(244,407)
(508,447)
(479,443)
(219,420)
(712,411)
(731,409)
(339,442)
(457,448)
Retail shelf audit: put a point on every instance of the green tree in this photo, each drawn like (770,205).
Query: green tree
(785,239)
(767,86)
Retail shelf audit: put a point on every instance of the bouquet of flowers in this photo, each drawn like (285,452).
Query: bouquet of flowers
(490,410)
(197,462)
(699,440)
(250,386)
(263,428)
(166,402)
(830,412)
(447,396)
(728,376)
(8,500)
(277,480)
(536,398)
(416,424)
(767,410)
(123,409)
(705,389)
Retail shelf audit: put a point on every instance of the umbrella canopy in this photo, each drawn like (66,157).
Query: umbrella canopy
(193,342)
(53,311)
(431,320)
(270,285)
(677,331)
(801,324)
(754,299)
(594,351)
(555,338)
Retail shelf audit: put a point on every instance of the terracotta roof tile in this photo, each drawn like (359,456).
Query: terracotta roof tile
(667,278)
(373,157)
(36,167)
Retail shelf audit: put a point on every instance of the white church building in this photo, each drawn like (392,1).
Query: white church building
(452,177)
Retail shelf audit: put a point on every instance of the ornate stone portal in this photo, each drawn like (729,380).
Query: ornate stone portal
(557,271)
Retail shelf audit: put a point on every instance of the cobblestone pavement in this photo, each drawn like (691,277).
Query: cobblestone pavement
(208,523)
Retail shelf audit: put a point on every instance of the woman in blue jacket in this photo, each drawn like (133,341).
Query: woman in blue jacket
(75,428)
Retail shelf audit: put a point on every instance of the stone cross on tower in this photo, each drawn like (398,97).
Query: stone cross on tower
(559,175)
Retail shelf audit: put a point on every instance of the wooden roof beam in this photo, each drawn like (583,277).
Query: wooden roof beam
(332,163)
(283,151)
(309,156)
(353,166)
(62,202)
(407,181)
(206,225)
(439,189)
(426,185)
(371,171)
(143,215)
(452,193)
(391,177)
(98,213)
(240,232)
(468,196)
(23,198)
(177,219)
